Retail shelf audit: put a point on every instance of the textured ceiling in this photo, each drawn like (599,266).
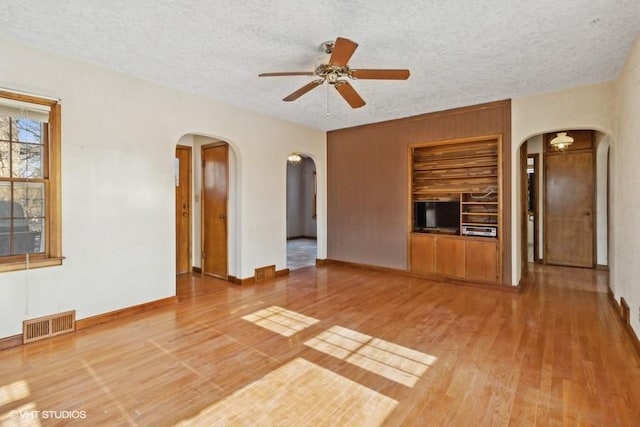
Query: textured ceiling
(459,52)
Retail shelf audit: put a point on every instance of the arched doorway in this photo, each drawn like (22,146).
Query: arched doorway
(208,231)
(301,211)
(563,204)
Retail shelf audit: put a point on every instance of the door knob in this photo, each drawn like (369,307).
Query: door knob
(184,214)
(221,216)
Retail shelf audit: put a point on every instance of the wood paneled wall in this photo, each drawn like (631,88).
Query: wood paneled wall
(367,198)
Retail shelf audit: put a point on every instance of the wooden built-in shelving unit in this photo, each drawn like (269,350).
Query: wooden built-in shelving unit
(466,171)
(479,209)
(443,170)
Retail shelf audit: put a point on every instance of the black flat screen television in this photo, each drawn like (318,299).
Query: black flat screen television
(436,216)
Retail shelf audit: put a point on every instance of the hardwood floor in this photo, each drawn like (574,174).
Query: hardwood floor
(337,345)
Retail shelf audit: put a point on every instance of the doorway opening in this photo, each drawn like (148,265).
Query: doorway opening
(208,210)
(533,207)
(302,248)
(564,205)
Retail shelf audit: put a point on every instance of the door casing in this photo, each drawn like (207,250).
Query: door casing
(183,209)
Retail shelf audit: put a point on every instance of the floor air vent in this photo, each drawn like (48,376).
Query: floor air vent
(48,326)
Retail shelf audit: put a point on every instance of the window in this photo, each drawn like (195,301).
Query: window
(29,182)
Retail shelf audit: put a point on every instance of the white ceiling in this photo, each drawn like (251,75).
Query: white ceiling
(459,52)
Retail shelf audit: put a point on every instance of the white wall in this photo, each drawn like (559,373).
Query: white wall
(118,144)
(585,107)
(625,268)
(602,196)
(534,145)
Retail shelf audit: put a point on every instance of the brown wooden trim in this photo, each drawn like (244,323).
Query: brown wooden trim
(522,283)
(10,342)
(238,281)
(189,150)
(620,310)
(602,267)
(251,280)
(612,300)
(33,99)
(282,273)
(444,113)
(625,316)
(197,270)
(52,177)
(321,261)
(40,263)
(54,234)
(88,322)
(625,312)
(634,338)
(434,278)
(506,275)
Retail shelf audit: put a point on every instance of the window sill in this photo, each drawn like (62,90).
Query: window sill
(39,263)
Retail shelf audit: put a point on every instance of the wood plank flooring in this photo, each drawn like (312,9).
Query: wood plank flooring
(336,346)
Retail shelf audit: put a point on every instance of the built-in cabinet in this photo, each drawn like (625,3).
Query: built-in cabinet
(457,257)
(465,174)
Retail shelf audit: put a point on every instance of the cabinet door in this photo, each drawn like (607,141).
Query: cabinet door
(482,260)
(422,253)
(450,258)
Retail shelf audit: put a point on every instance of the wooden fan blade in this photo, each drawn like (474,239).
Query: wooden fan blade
(349,94)
(342,51)
(380,74)
(290,73)
(304,89)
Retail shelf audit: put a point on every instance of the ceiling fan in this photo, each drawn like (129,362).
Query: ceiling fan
(336,73)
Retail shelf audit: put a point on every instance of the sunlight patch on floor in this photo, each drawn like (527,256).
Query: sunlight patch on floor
(23,416)
(280,320)
(298,393)
(392,361)
(14,391)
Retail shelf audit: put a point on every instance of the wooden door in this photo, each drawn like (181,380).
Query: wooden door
(183,209)
(569,208)
(215,187)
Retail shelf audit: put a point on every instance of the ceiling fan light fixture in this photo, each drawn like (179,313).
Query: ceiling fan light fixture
(335,72)
(561,141)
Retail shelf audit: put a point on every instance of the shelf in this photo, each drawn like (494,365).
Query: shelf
(460,162)
(480,203)
(480,223)
(480,213)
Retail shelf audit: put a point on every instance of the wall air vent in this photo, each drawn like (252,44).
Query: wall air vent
(264,273)
(48,326)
